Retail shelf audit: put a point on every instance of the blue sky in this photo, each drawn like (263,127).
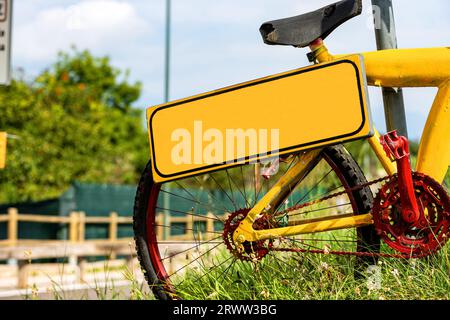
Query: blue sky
(215,43)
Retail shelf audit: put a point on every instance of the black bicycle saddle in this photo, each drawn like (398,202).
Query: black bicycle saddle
(300,31)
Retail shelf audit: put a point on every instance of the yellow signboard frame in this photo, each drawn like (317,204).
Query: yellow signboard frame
(310,107)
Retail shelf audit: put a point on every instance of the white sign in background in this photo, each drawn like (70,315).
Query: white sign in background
(5,41)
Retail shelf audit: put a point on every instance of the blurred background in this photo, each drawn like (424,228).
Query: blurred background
(85,70)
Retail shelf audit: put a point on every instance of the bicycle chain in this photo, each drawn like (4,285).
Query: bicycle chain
(331,252)
(334,195)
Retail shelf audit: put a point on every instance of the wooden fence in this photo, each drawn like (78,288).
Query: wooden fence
(76,248)
(77,222)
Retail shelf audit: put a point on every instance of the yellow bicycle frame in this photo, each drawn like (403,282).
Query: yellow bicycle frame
(388,68)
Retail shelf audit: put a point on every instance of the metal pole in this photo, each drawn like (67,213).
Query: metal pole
(167,52)
(6,17)
(166,200)
(394,106)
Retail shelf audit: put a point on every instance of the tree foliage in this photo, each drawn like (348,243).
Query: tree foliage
(75,122)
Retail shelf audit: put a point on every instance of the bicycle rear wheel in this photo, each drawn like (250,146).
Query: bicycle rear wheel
(203,210)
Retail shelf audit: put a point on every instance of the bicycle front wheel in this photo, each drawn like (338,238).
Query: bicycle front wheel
(182,228)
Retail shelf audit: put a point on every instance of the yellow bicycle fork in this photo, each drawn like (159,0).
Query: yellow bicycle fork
(389,68)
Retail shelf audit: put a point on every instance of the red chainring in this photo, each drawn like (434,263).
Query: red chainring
(432,230)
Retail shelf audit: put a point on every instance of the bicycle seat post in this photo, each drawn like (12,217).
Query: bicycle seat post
(319,52)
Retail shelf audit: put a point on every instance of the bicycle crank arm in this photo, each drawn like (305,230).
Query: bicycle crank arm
(397,150)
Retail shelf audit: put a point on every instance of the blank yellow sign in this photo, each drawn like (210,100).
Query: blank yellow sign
(301,109)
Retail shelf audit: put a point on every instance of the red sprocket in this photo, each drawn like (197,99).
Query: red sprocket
(252,251)
(429,233)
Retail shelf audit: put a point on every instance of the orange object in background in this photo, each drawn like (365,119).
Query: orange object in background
(3,136)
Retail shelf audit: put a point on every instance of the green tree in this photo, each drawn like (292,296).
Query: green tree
(75,122)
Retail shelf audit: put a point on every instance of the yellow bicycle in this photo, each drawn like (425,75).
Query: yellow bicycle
(313,198)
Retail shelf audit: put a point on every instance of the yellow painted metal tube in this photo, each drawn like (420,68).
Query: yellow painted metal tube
(314,227)
(401,68)
(428,67)
(388,165)
(321,52)
(434,151)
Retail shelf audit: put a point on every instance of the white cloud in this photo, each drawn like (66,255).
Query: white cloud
(201,11)
(105,25)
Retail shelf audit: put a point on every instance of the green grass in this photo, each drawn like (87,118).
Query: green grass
(323,277)
(295,277)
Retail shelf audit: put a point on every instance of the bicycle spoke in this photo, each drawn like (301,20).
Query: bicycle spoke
(191,214)
(215,267)
(323,195)
(281,260)
(338,242)
(196,259)
(231,266)
(184,229)
(303,244)
(182,187)
(220,186)
(321,209)
(193,225)
(259,191)
(194,199)
(240,191)
(177,195)
(310,190)
(206,206)
(314,187)
(243,184)
(327,240)
(209,192)
(255,173)
(194,247)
